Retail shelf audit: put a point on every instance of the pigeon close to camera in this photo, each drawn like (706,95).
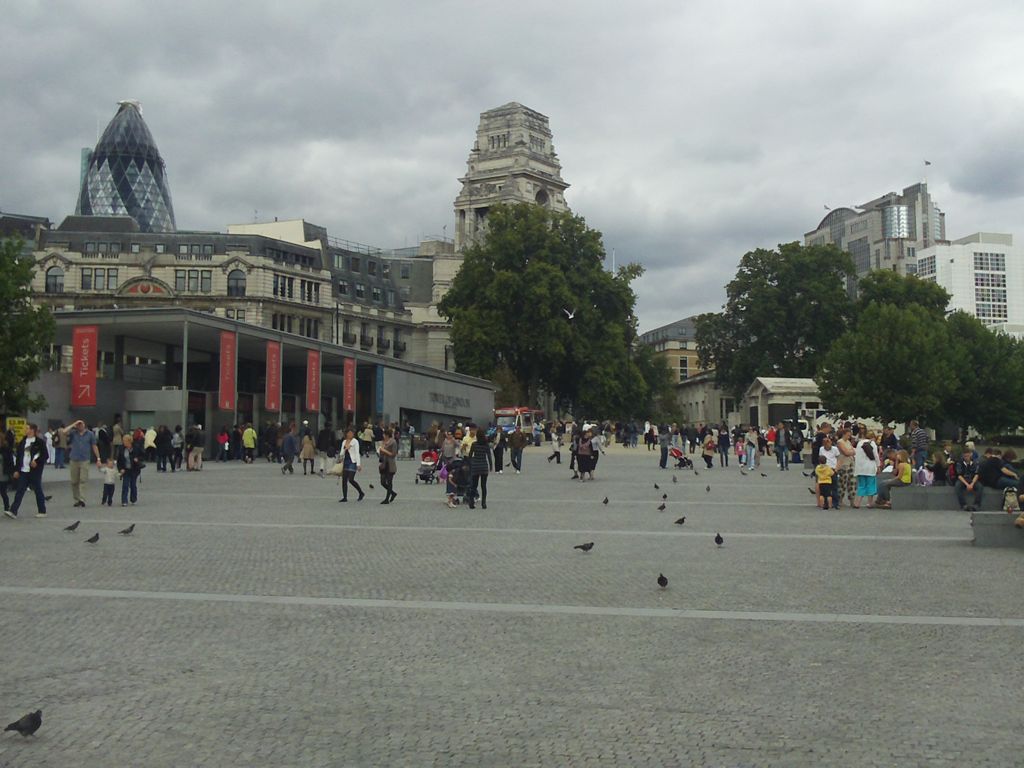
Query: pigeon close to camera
(73,527)
(695,472)
(570,315)
(585,547)
(371,486)
(661,508)
(708,489)
(27,725)
(657,487)
(128,531)
(681,520)
(675,479)
(605,500)
(664,497)
(811,490)
(719,540)
(48,498)
(93,539)
(807,474)
(662,581)
(764,474)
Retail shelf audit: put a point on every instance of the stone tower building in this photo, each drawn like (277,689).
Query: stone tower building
(512,161)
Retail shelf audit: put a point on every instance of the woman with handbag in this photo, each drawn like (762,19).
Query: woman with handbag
(388,465)
(350,462)
(129,466)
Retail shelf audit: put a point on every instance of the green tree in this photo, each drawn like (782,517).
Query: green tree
(990,370)
(883,286)
(895,364)
(782,312)
(510,301)
(25,331)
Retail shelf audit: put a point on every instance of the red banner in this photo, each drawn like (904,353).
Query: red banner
(313,381)
(272,393)
(84,344)
(228,347)
(348,398)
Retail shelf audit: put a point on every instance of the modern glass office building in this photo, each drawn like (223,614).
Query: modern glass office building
(126,175)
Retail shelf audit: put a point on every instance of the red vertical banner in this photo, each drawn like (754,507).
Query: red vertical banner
(348,398)
(272,393)
(228,350)
(84,343)
(313,381)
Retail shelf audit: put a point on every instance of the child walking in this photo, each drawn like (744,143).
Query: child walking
(824,474)
(109,483)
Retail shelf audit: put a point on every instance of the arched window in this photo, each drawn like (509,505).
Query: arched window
(236,283)
(55,280)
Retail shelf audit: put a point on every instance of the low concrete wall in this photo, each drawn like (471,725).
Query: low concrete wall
(996,529)
(940,497)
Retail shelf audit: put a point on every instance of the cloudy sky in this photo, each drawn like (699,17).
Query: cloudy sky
(690,132)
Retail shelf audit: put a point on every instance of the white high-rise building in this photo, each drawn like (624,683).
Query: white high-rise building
(984,273)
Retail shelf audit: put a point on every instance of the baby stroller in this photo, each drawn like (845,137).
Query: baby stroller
(456,475)
(681,459)
(427,468)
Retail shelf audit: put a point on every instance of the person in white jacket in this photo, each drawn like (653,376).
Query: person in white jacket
(865,467)
(348,456)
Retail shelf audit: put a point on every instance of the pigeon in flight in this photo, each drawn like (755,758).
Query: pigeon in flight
(585,547)
(73,527)
(570,315)
(661,508)
(93,539)
(719,540)
(681,520)
(27,725)
(605,500)
(708,489)
(675,479)
(662,581)
(128,531)
(657,487)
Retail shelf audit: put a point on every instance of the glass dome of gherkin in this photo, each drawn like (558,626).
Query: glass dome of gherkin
(126,175)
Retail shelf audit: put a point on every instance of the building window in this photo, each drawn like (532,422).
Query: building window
(207,250)
(343,287)
(360,291)
(404,271)
(684,368)
(90,247)
(230,314)
(193,280)
(135,247)
(160,248)
(236,283)
(179,280)
(115,247)
(375,292)
(353,264)
(55,280)
(990,262)
(99,278)
(182,249)
(86,279)
(207,281)
(390,299)
(111,279)
(240,315)
(371,268)
(197,249)
(385,269)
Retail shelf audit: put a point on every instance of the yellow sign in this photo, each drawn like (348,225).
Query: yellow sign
(17,426)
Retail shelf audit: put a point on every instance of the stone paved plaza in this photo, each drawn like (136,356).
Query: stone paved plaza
(254,621)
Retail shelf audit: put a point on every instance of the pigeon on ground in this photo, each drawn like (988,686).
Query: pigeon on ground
(681,520)
(605,500)
(743,473)
(708,489)
(807,474)
(811,490)
(27,725)
(696,473)
(48,498)
(661,508)
(719,540)
(371,486)
(93,539)
(585,547)
(664,497)
(128,531)
(662,581)
(657,487)
(675,479)
(764,474)
(73,527)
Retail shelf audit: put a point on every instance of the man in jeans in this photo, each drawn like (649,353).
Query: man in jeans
(919,444)
(967,479)
(782,446)
(84,451)
(29,461)
(516,442)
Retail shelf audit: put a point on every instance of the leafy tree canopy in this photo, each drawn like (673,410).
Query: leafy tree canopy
(783,310)
(25,331)
(509,306)
(884,286)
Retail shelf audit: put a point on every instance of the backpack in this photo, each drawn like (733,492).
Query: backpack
(925,476)
(1011,505)
(951,471)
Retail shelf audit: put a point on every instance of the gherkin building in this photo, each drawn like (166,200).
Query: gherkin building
(126,175)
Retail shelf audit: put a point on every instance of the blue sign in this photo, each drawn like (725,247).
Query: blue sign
(380,390)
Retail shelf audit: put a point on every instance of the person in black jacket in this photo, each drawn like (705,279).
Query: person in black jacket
(480,464)
(6,469)
(164,447)
(129,466)
(29,461)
